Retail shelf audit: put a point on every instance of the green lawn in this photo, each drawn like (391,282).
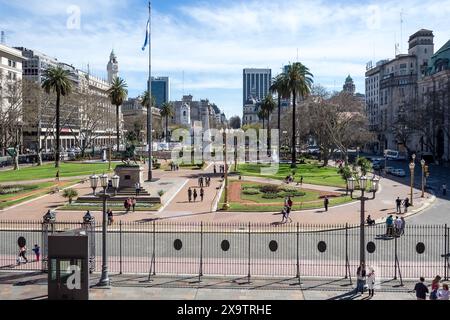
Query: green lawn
(312,174)
(239,207)
(67,169)
(30,192)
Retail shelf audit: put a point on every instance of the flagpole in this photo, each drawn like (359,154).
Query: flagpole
(149,89)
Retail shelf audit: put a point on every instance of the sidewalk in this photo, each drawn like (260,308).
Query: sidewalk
(33,286)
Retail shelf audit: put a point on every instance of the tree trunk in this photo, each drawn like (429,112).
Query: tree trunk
(167,129)
(268,136)
(293,160)
(58,142)
(117,129)
(279,127)
(16,158)
(39,143)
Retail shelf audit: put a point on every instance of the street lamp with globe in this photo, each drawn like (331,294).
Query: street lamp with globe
(104,280)
(423,163)
(412,165)
(363,185)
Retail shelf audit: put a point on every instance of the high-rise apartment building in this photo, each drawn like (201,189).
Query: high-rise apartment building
(256,84)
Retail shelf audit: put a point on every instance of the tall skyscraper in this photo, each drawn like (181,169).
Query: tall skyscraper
(256,83)
(161,90)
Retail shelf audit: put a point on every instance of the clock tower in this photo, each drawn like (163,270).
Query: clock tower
(113,67)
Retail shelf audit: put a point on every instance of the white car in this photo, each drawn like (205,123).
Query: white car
(399,173)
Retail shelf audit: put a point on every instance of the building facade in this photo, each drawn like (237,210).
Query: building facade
(392,91)
(11,112)
(88,119)
(161,90)
(256,84)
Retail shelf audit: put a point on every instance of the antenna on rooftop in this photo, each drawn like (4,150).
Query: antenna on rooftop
(401,31)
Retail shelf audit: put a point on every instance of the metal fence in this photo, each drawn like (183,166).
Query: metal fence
(244,250)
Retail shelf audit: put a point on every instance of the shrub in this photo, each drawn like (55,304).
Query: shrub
(270,188)
(250,191)
(161,193)
(271,196)
(70,194)
(292,193)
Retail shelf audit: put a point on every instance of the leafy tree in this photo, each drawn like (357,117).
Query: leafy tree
(70,194)
(235,122)
(166,112)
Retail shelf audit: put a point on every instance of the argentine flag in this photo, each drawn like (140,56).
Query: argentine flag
(147,33)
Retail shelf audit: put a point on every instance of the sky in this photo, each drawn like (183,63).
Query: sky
(210,42)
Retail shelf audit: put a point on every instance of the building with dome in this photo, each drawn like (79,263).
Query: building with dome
(349,86)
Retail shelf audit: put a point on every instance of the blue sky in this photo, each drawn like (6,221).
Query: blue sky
(212,41)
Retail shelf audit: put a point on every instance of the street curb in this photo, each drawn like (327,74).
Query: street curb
(173,196)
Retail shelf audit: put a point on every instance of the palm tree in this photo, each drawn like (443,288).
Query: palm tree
(268,105)
(167,111)
(279,87)
(262,115)
(118,93)
(57,79)
(298,82)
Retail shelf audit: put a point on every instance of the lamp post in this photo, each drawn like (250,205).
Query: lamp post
(422,163)
(412,165)
(385,161)
(363,199)
(104,280)
(226,205)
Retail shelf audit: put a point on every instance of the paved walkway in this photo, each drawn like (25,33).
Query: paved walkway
(177,207)
(33,286)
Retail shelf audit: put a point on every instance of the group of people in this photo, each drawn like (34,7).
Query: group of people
(221,168)
(22,256)
(204,181)
(395,228)
(174,167)
(405,203)
(287,210)
(130,203)
(437,293)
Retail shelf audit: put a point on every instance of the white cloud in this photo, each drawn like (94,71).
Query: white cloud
(213,41)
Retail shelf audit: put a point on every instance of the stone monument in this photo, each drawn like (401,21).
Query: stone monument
(129,175)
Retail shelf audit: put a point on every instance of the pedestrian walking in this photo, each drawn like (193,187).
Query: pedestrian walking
(125,205)
(443,293)
(215,169)
(397,226)
(37,252)
(325,203)
(22,254)
(435,287)
(202,193)
(290,203)
(200,182)
(133,204)
(288,212)
(421,289)
(402,228)
(398,202)
(371,282)
(360,278)
(190,194)
(301,180)
(137,185)
(110,217)
(57,176)
(284,213)
(444,189)
(195,195)
(406,204)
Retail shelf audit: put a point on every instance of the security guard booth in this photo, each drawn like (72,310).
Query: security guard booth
(68,267)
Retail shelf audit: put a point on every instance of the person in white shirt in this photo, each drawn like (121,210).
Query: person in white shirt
(443,293)
(398,225)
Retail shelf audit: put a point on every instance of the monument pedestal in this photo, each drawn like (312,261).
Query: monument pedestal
(130,175)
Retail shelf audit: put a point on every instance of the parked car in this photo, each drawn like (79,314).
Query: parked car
(399,173)
(390,170)
(378,165)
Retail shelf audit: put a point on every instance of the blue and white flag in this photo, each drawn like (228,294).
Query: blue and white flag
(147,33)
